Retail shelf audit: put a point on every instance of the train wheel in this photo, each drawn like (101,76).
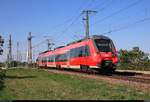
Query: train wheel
(45,67)
(81,67)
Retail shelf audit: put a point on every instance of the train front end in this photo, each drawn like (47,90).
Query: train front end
(106,53)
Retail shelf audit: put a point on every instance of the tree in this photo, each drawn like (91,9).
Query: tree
(135,57)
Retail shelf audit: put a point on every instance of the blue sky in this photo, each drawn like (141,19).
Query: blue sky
(52,17)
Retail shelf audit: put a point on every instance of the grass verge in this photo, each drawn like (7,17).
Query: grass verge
(36,84)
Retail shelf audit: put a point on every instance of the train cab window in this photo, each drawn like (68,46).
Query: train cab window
(103,45)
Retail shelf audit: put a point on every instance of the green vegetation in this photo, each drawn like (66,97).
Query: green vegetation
(134,59)
(2,75)
(15,64)
(39,84)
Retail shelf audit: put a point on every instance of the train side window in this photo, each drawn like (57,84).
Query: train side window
(68,55)
(65,57)
(50,59)
(61,57)
(56,58)
(72,53)
(87,51)
(45,59)
(42,59)
(80,52)
(53,57)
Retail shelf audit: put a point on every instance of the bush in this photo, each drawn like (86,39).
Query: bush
(2,76)
(129,66)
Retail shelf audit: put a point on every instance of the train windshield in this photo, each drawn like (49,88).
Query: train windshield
(103,45)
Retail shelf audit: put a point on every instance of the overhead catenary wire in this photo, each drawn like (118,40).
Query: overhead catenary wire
(70,19)
(128,25)
(75,19)
(71,24)
(117,12)
(89,5)
(103,5)
(42,42)
(99,5)
(67,21)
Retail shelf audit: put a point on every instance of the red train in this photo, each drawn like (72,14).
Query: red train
(97,52)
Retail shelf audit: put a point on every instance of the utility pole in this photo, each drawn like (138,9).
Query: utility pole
(87,12)
(9,51)
(1,44)
(29,48)
(18,51)
(49,44)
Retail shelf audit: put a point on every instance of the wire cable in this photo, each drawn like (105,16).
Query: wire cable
(74,20)
(127,26)
(103,7)
(117,12)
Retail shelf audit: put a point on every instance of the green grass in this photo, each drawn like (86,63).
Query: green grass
(38,84)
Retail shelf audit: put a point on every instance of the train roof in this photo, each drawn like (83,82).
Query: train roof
(100,37)
(44,52)
(92,37)
(58,47)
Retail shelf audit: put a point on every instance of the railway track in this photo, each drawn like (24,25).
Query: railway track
(126,76)
(133,79)
(132,76)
